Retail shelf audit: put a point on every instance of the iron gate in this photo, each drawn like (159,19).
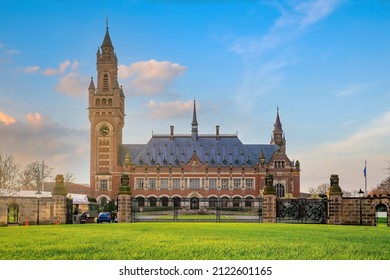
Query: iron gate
(197,210)
(301,210)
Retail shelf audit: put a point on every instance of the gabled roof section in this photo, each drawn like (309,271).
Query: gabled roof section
(228,150)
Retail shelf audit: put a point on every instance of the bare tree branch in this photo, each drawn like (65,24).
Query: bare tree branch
(9,174)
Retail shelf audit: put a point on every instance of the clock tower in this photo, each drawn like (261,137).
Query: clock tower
(106,115)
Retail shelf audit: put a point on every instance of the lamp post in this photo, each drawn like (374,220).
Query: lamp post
(38,194)
(361,193)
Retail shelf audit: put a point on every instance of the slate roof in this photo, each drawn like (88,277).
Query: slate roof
(107,40)
(225,151)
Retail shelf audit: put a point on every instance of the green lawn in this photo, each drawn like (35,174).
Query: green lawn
(194,241)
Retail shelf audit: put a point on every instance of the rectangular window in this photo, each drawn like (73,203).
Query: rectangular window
(152,184)
(236,183)
(212,184)
(139,183)
(164,184)
(225,184)
(104,184)
(249,184)
(176,183)
(194,184)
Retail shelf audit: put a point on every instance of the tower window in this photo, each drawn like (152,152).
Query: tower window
(105,83)
(103,184)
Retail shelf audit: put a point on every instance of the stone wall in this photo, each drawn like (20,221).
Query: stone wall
(356,211)
(27,210)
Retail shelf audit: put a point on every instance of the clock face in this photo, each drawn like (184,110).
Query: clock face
(104,130)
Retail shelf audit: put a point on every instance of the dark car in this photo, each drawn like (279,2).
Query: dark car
(104,217)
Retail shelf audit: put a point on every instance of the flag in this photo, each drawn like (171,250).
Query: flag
(365,171)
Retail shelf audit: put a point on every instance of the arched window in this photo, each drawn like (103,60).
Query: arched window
(236,201)
(280,190)
(104,102)
(212,202)
(97,102)
(249,202)
(13,213)
(224,202)
(141,201)
(105,83)
(164,201)
(176,201)
(152,201)
(194,203)
(109,101)
(104,204)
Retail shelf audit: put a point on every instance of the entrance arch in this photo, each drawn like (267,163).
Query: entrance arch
(194,203)
(381,214)
(13,214)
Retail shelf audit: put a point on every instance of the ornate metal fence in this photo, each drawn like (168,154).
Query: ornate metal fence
(197,210)
(301,210)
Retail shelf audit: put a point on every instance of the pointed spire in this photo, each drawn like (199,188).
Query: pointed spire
(91,84)
(278,124)
(107,40)
(194,120)
(194,124)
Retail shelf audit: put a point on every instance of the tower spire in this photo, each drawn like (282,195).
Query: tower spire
(194,124)
(278,124)
(278,135)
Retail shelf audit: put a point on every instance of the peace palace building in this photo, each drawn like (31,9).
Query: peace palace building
(177,166)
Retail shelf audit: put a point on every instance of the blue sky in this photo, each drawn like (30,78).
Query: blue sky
(324,63)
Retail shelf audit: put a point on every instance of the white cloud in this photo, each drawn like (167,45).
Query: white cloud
(315,11)
(167,110)
(34,119)
(356,88)
(150,77)
(346,157)
(60,147)
(31,69)
(6,119)
(292,22)
(61,68)
(73,84)
(12,52)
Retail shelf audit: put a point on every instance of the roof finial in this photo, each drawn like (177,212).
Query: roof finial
(107,24)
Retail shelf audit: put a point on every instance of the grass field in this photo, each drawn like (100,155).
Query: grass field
(194,241)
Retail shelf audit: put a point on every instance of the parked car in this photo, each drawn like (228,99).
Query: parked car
(103,217)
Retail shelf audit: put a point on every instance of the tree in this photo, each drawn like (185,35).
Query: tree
(32,177)
(383,188)
(319,191)
(9,174)
(68,178)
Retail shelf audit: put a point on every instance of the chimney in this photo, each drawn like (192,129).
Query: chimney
(217,132)
(171,135)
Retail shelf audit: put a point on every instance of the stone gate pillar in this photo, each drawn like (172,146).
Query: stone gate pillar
(269,200)
(59,200)
(335,201)
(124,200)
